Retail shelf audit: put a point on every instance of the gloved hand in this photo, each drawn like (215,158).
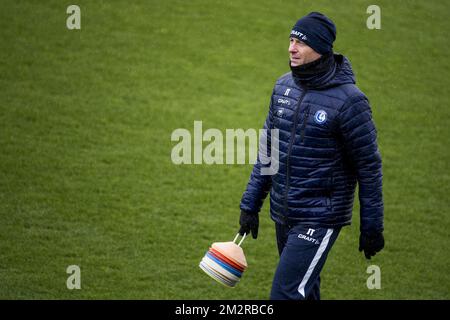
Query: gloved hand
(249,221)
(371,243)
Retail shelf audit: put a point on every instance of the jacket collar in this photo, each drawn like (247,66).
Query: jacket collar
(327,71)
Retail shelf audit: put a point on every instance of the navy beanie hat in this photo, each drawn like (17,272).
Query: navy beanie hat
(317,31)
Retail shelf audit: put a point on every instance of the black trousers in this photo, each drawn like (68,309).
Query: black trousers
(303,251)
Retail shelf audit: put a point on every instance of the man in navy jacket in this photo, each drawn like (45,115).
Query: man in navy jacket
(326,145)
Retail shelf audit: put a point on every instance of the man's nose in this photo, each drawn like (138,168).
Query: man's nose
(292,48)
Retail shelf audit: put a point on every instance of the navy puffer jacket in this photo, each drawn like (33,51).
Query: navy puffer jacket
(327,144)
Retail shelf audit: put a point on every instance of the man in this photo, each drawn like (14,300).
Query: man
(327,144)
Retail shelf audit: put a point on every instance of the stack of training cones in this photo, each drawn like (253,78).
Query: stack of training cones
(225,262)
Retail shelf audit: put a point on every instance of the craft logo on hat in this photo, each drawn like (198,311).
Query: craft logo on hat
(299,34)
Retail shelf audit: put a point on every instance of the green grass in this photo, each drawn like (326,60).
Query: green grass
(86,117)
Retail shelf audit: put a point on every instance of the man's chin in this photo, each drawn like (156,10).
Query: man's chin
(295,63)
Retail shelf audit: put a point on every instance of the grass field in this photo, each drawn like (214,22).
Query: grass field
(86,117)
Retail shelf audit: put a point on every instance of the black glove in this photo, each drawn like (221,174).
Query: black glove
(249,221)
(371,243)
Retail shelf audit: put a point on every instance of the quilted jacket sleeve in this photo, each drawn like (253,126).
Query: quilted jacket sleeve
(360,141)
(259,184)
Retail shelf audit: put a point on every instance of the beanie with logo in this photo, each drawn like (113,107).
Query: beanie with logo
(317,31)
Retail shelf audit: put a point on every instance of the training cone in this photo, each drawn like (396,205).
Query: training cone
(225,262)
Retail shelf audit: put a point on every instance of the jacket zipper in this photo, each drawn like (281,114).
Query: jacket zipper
(302,130)
(291,142)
